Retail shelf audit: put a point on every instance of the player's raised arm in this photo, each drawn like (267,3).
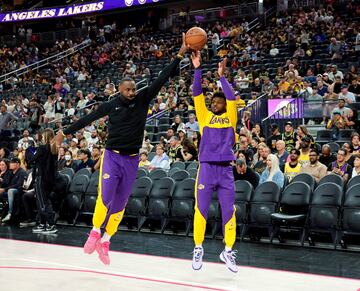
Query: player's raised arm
(199,99)
(229,94)
(166,73)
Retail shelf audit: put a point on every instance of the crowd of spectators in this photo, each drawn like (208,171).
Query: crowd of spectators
(287,152)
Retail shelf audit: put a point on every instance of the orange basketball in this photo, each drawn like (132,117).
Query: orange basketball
(196,38)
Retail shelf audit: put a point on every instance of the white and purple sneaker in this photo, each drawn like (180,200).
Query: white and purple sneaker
(228,257)
(197,258)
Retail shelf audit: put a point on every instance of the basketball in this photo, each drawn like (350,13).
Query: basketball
(196,38)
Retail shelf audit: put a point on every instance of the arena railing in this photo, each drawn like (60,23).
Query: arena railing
(258,109)
(47,61)
(292,110)
(212,14)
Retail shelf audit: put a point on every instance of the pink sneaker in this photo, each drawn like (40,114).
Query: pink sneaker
(90,244)
(103,251)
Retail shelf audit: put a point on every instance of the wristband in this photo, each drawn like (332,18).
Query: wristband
(180,56)
(64,135)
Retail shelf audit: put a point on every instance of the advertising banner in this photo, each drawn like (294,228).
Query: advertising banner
(71,10)
(286,108)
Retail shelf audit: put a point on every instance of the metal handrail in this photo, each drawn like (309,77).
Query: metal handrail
(46,61)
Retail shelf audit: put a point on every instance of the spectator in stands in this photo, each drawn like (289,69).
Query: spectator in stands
(326,157)
(59,107)
(336,86)
(144,162)
(246,120)
(335,49)
(74,148)
(161,160)
(275,136)
(243,147)
(178,124)
(340,167)
(302,132)
(4,153)
(260,166)
(289,136)
(314,168)
(14,189)
(241,81)
(344,111)
(5,119)
(188,151)
(69,162)
(243,172)
(336,123)
(96,156)
(49,110)
(281,153)
(274,51)
(82,101)
(355,87)
(93,139)
(272,172)
(85,158)
(256,86)
(257,132)
(349,158)
(305,150)
(293,167)
(24,142)
(356,168)
(355,143)
(181,134)
(5,173)
(61,159)
(192,125)
(196,140)
(349,97)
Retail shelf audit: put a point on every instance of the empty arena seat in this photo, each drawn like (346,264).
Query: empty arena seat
(293,209)
(243,192)
(324,210)
(306,178)
(138,199)
(159,200)
(157,174)
(333,178)
(180,175)
(182,205)
(142,172)
(68,171)
(262,204)
(179,165)
(84,171)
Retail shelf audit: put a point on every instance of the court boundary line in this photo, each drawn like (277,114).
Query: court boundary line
(188,260)
(113,275)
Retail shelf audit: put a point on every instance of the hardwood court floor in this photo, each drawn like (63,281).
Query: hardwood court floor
(153,261)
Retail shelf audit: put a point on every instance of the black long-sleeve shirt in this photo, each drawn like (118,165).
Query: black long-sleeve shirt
(17,180)
(45,165)
(127,119)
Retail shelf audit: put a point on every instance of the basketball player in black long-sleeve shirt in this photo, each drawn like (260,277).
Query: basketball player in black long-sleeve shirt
(127,116)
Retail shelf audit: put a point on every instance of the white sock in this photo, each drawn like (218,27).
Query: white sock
(227,249)
(96,229)
(106,237)
(198,246)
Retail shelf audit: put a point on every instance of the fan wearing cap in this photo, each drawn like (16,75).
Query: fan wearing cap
(305,144)
(275,136)
(336,121)
(289,136)
(13,189)
(349,97)
(218,132)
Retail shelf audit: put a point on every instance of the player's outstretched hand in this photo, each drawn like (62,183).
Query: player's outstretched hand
(195,57)
(222,67)
(59,137)
(183,47)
